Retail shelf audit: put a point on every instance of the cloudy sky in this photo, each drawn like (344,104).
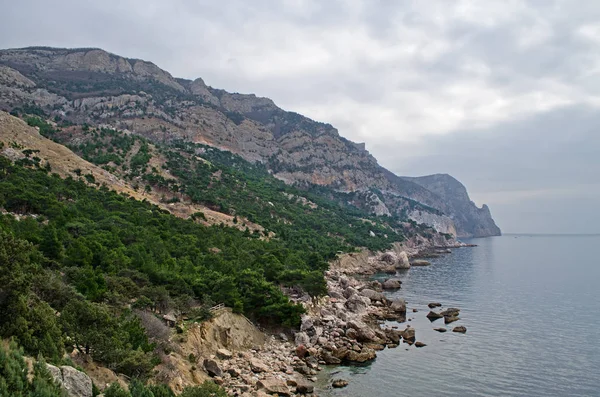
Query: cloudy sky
(502,94)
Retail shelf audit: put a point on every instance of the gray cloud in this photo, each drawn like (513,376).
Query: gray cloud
(503,95)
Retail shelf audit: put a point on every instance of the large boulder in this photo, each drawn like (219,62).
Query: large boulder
(74,382)
(349,292)
(391,284)
(307,323)
(301,338)
(273,385)
(357,304)
(212,368)
(403,262)
(364,355)
(432,316)
(258,366)
(224,354)
(373,295)
(398,306)
(409,334)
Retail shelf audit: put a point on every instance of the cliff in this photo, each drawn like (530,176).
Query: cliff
(469,220)
(95,87)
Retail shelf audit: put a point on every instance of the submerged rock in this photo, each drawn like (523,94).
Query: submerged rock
(339,383)
(440,329)
(420,262)
(462,329)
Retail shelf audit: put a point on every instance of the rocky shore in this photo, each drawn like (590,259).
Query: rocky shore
(343,327)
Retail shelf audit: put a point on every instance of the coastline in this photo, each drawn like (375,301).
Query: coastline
(343,327)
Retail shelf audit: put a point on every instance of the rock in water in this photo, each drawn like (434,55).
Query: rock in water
(273,385)
(420,344)
(398,306)
(434,305)
(212,368)
(462,329)
(339,383)
(420,262)
(440,329)
(303,387)
(432,316)
(409,334)
(450,319)
(403,262)
(450,312)
(391,284)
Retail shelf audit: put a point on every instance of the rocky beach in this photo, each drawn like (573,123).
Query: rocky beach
(349,325)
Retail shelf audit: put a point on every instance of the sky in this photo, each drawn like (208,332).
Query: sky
(502,94)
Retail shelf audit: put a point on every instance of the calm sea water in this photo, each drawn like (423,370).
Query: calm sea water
(531,305)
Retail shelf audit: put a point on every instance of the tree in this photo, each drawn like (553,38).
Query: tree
(14,380)
(51,246)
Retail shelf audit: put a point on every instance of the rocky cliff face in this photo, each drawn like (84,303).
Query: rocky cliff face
(98,88)
(469,220)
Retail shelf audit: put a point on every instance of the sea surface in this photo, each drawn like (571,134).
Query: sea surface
(531,305)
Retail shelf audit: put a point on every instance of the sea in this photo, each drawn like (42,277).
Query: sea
(531,306)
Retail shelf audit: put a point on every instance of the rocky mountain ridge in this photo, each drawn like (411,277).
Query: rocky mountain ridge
(92,86)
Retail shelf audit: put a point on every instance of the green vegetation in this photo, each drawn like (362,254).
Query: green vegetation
(14,380)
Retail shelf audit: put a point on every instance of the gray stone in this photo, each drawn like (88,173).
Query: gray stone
(391,284)
(212,367)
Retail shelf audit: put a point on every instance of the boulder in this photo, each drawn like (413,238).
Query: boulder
(303,387)
(339,383)
(391,284)
(351,333)
(388,258)
(301,351)
(440,329)
(462,329)
(307,323)
(258,366)
(301,338)
(233,372)
(432,316)
(74,382)
(434,305)
(273,385)
(420,344)
(373,295)
(402,261)
(450,312)
(450,319)
(302,368)
(364,355)
(366,334)
(398,306)
(357,305)
(348,292)
(409,334)
(224,354)
(212,367)
(329,359)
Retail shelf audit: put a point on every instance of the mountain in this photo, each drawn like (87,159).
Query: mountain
(97,88)
(468,218)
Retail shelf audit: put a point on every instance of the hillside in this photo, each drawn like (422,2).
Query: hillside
(93,87)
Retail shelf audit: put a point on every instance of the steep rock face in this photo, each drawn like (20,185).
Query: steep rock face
(99,88)
(470,221)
